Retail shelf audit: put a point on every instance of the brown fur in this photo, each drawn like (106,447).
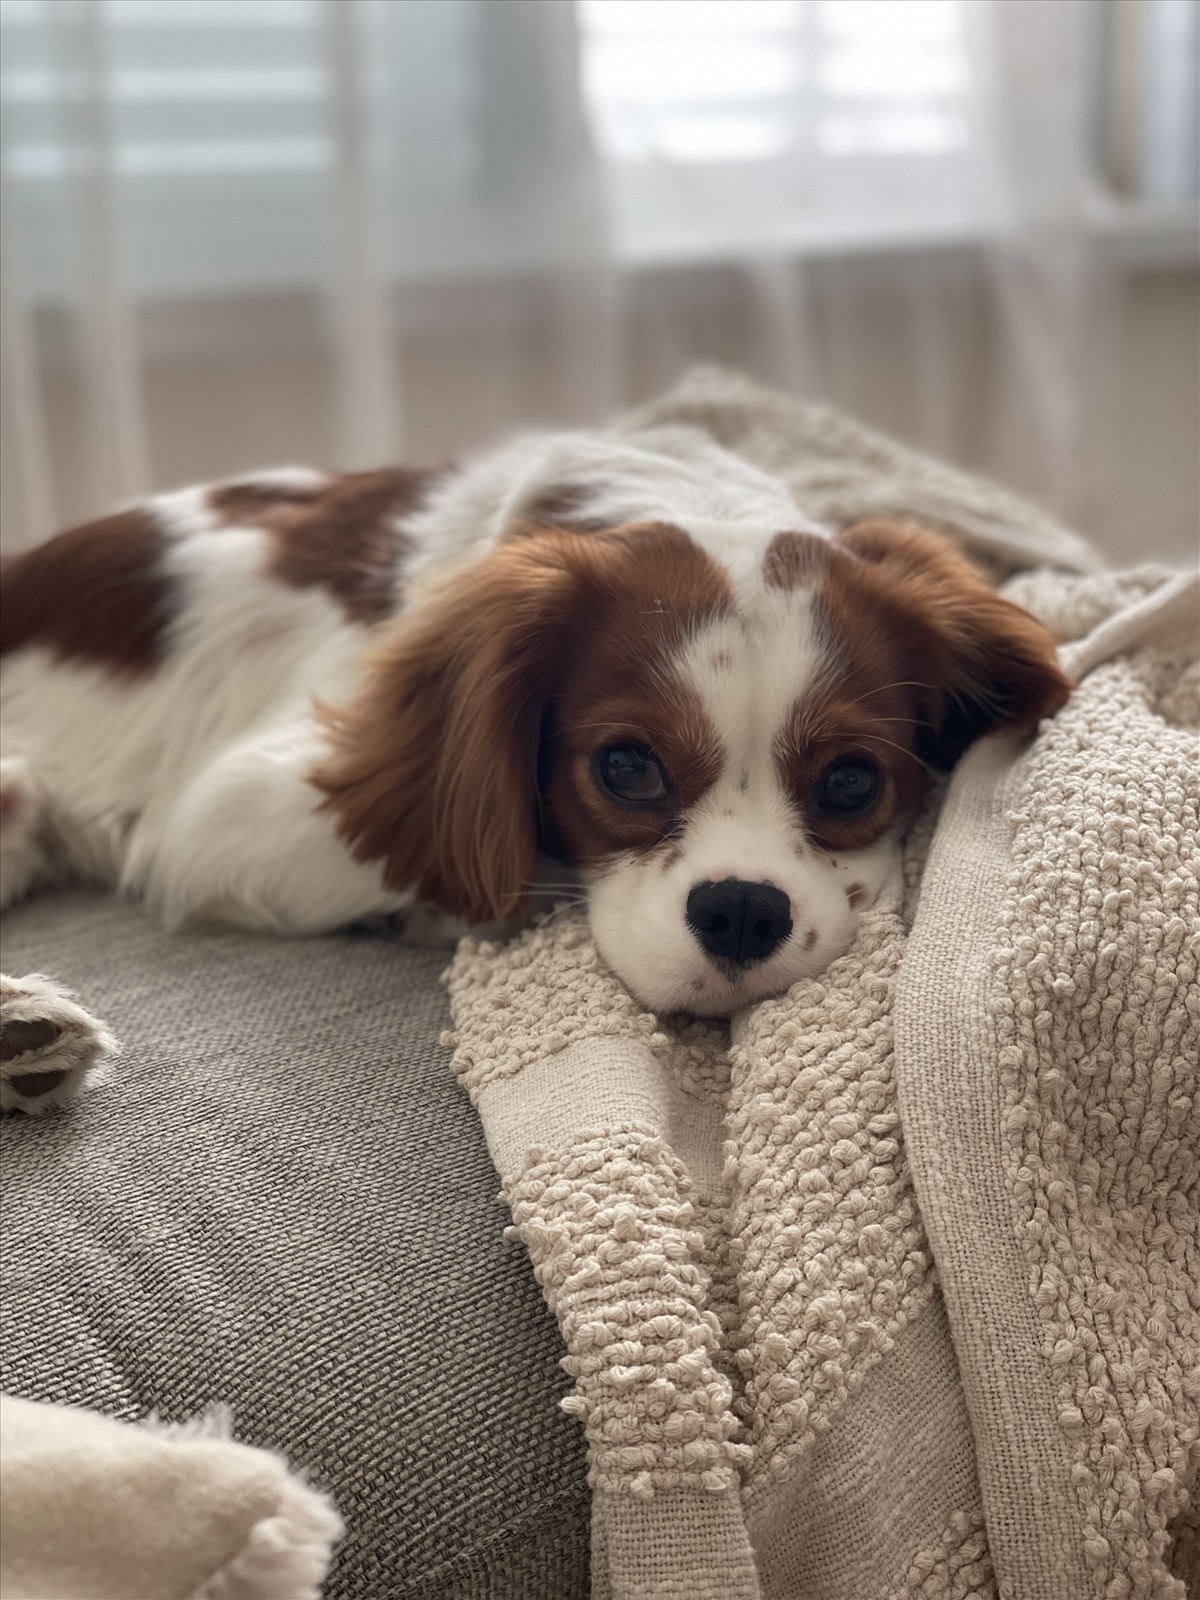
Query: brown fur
(470,742)
(622,690)
(560,507)
(96,593)
(924,658)
(342,536)
(984,663)
(795,560)
(262,503)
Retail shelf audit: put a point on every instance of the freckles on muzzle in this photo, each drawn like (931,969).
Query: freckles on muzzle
(712,945)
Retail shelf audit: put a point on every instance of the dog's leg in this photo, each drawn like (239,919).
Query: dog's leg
(48,1044)
(248,844)
(24,853)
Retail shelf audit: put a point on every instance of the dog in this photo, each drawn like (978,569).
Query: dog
(296,700)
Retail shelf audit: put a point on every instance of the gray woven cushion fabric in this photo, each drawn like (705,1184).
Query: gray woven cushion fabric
(280,1198)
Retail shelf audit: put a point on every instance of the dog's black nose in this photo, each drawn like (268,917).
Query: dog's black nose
(740,922)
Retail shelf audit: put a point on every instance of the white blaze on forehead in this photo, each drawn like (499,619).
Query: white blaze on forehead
(749,669)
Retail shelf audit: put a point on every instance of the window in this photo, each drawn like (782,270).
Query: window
(824,121)
(210,130)
(206,118)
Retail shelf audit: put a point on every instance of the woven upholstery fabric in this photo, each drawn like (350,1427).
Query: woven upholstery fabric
(279,1198)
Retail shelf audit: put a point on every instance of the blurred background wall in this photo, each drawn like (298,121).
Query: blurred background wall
(244,232)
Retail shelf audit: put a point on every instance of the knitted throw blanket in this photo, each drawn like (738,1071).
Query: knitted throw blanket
(892,1286)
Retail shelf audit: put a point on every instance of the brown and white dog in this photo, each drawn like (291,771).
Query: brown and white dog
(294,701)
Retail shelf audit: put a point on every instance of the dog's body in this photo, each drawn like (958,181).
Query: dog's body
(162,699)
(295,701)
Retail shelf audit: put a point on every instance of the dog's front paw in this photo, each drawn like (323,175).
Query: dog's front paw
(48,1044)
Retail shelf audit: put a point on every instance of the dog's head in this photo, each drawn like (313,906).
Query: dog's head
(727,766)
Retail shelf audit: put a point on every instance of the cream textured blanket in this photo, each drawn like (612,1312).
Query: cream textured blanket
(893,1288)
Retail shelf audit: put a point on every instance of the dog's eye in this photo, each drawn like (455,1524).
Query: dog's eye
(849,788)
(630,774)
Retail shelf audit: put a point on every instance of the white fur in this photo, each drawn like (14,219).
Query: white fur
(672,475)
(186,786)
(287,1555)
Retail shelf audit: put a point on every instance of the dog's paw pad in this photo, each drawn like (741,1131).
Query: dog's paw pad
(20,1038)
(48,1044)
(33,1085)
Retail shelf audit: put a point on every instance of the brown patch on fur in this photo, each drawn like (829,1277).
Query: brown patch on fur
(262,503)
(95,593)
(32,1085)
(924,659)
(558,507)
(472,740)
(342,536)
(810,938)
(16,1038)
(983,662)
(622,691)
(794,560)
(856,894)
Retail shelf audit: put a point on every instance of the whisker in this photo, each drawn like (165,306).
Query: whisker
(900,683)
(877,738)
(557,911)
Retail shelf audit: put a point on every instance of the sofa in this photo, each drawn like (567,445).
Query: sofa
(279,1198)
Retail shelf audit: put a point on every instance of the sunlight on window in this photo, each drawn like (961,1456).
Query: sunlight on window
(896,133)
(733,138)
(637,19)
(716,123)
(182,83)
(747,80)
(671,71)
(892,48)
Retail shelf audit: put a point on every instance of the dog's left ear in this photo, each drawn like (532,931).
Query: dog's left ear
(978,663)
(432,765)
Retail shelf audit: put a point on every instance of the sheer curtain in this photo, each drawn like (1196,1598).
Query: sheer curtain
(239,232)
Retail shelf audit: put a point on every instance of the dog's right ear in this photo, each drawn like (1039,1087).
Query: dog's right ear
(433,767)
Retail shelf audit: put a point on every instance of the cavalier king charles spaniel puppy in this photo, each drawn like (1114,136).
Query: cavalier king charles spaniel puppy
(296,701)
